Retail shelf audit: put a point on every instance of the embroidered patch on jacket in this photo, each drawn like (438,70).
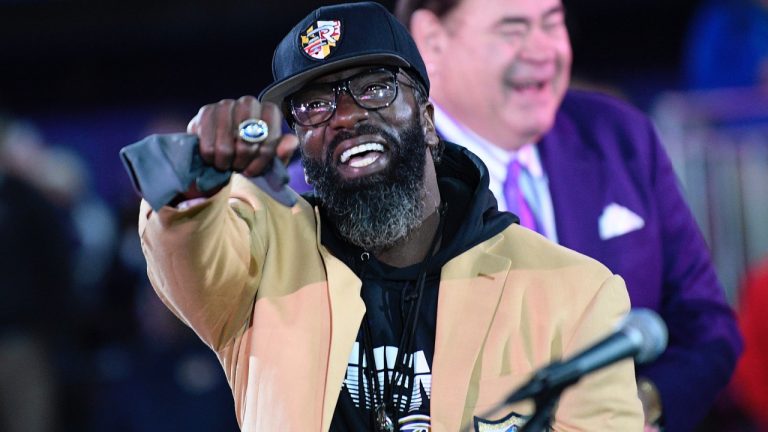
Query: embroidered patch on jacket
(511,423)
(321,38)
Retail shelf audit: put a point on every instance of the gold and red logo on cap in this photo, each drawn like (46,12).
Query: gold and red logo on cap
(321,38)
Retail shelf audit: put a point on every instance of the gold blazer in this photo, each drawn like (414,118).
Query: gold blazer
(252,279)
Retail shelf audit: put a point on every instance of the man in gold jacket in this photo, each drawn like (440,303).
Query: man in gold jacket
(393,297)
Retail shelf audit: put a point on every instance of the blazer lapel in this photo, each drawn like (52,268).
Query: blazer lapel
(346,314)
(470,288)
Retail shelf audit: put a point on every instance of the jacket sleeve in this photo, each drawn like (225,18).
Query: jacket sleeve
(605,400)
(204,262)
(704,342)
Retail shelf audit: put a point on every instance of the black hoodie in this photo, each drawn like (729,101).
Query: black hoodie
(470,217)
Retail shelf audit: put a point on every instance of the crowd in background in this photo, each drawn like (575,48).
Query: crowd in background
(84,343)
(86,346)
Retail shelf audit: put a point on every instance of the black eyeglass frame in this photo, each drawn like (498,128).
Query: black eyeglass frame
(343,85)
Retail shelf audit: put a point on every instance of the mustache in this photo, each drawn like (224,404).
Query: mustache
(360,129)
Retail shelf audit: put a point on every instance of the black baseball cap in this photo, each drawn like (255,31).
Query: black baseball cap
(337,37)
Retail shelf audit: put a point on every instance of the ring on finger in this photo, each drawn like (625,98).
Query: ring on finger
(253,131)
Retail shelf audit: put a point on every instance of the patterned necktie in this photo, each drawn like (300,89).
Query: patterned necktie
(516,202)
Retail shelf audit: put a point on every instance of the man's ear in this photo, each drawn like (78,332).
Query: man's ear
(429,34)
(428,125)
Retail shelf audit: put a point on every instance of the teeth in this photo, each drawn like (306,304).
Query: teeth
(364,161)
(361,149)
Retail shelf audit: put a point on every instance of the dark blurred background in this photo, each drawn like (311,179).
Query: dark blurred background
(84,343)
(76,67)
(76,55)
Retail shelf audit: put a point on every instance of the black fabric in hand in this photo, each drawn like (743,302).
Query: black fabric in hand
(163,166)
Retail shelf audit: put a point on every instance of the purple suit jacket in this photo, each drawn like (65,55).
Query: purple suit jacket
(601,151)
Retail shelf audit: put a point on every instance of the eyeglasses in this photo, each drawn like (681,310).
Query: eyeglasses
(372,89)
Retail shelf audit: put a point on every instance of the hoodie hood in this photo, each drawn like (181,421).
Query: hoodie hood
(472,213)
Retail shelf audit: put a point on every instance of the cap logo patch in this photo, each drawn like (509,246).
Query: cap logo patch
(321,38)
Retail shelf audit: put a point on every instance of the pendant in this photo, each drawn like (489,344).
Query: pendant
(383,422)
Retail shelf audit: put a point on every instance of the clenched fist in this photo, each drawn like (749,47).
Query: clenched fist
(220,145)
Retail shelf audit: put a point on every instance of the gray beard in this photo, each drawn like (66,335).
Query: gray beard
(379,211)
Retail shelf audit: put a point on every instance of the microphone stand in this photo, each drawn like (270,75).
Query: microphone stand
(545,403)
(545,389)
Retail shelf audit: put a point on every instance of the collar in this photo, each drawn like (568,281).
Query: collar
(494,157)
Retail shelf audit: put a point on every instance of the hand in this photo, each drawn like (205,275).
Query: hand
(651,400)
(221,147)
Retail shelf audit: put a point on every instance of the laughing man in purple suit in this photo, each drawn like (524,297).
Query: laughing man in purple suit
(592,174)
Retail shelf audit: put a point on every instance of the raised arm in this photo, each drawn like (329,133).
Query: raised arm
(205,249)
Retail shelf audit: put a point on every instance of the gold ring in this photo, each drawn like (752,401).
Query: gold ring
(253,131)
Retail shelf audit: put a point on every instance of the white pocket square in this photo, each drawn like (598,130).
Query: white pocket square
(618,220)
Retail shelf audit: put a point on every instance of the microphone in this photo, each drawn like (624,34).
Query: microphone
(642,335)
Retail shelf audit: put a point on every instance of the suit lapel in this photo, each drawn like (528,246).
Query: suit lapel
(568,161)
(470,288)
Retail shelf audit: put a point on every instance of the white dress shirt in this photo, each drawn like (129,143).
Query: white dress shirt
(534,183)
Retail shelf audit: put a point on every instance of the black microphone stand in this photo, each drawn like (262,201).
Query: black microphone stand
(544,408)
(545,389)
